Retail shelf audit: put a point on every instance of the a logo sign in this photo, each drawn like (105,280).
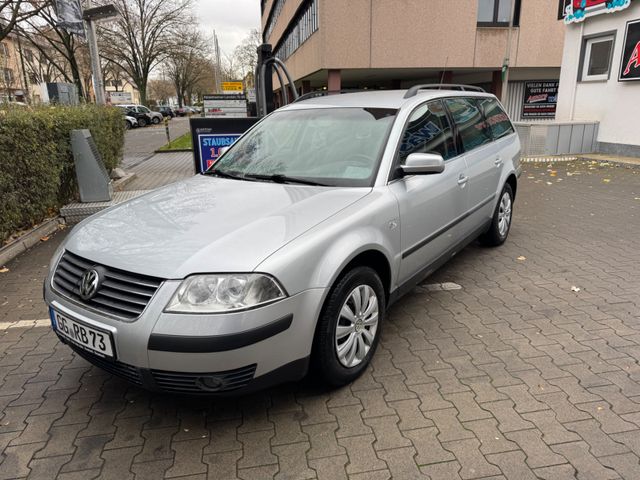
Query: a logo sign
(573,11)
(225,105)
(540,99)
(630,63)
(210,146)
(89,283)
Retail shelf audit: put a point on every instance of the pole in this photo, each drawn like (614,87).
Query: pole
(505,63)
(25,84)
(96,69)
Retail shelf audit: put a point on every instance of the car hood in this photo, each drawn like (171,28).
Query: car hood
(205,224)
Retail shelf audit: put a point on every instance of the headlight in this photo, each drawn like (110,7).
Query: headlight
(223,293)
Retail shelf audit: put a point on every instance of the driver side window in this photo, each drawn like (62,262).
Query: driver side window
(428,131)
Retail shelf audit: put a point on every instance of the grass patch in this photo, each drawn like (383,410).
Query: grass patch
(181,143)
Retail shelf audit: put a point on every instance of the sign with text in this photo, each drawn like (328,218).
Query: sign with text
(225,105)
(209,135)
(630,63)
(232,87)
(210,146)
(540,99)
(574,11)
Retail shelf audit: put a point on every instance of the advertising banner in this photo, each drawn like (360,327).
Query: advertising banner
(540,99)
(118,98)
(573,11)
(69,13)
(210,145)
(225,105)
(630,63)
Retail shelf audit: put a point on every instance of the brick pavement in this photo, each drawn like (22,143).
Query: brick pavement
(513,376)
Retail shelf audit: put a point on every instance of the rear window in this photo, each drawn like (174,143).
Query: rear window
(496,117)
(474,131)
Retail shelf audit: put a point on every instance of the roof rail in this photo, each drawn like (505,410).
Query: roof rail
(324,93)
(442,86)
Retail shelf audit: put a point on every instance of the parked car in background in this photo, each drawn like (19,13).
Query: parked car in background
(130,122)
(183,111)
(166,111)
(143,119)
(303,244)
(156,117)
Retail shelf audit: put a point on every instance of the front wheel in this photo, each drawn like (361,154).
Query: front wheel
(155,120)
(501,223)
(142,122)
(349,326)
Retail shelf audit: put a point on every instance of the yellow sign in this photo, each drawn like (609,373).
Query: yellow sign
(232,86)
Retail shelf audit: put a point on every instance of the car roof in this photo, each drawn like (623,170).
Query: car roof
(379,98)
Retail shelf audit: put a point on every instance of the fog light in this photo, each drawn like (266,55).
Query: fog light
(212,384)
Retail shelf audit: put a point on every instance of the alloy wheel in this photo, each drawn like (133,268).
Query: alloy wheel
(357,325)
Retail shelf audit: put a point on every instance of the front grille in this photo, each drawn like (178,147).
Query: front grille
(119,369)
(121,294)
(202,382)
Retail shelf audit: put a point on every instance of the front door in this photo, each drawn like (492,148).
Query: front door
(429,204)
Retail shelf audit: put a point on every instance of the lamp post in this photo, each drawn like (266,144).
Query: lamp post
(91,15)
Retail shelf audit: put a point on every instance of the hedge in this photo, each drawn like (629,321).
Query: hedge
(37,173)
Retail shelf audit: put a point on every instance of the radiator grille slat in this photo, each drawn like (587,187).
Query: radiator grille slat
(121,294)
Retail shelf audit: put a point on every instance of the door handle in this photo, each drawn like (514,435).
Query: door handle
(462,180)
(498,162)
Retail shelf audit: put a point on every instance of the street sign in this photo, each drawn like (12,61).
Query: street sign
(232,87)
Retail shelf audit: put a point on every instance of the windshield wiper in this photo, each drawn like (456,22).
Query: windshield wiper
(280,178)
(220,173)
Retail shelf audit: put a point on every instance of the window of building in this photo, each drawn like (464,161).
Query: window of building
(4,51)
(428,131)
(7,76)
(28,55)
(496,117)
(300,29)
(276,10)
(497,13)
(472,128)
(596,58)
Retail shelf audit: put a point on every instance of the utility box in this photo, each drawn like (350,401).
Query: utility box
(93,179)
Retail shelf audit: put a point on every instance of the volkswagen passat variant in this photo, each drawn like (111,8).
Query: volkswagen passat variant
(287,253)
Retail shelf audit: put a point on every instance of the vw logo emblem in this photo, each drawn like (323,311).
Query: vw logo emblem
(89,283)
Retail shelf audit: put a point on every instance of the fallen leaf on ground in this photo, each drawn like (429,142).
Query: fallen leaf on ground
(606,180)
(522,257)
(4,270)
(575,289)
(44,239)
(549,183)
(553,173)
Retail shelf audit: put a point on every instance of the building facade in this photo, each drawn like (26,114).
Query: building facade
(600,77)
(16,82)
(335,44)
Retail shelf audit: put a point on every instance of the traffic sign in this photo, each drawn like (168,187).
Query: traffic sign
(232,87)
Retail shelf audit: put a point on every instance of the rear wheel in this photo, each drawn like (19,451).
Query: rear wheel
(501,223)
(142,122)
(155,120)
(349,326)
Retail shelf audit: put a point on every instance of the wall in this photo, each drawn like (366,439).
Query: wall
(613,103)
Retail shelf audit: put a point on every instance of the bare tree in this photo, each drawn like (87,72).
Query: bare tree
(56,46)
(143,35)
(246,54)
(186,65)
(14,11)
(160,90)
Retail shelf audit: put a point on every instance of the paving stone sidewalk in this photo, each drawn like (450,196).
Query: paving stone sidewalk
(531,370)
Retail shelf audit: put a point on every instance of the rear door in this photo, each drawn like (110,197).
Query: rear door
(480,153)
(429,204)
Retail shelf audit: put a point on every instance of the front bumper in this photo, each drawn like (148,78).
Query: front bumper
(191,353)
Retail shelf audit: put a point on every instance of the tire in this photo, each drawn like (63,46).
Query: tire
(498,231)
(127,125)
(155,120)
(142,122)
(335,365)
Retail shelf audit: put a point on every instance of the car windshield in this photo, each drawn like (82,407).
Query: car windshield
(144,109)
(325,146)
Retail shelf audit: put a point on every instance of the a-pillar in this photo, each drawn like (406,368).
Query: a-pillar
(496,83)
(334,80)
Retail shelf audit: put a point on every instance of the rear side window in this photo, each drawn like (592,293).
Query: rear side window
(472,128)
(428,131)
(496,118)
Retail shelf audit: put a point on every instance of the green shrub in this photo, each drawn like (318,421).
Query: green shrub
(37,173)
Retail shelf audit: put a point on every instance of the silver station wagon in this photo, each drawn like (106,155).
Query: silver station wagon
(286,254)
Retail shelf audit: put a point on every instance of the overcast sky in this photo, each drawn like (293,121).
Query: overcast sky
(231,19)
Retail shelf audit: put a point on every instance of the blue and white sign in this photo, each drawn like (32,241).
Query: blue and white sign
(210,145)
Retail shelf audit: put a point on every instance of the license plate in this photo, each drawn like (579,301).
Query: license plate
(89,338)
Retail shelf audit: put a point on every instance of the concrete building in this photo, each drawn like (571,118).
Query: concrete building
(600,77)
(337,44)
(17,83)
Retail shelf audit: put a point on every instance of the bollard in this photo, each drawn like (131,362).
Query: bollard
(166,129)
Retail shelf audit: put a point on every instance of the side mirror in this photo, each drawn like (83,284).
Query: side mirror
(423,164)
